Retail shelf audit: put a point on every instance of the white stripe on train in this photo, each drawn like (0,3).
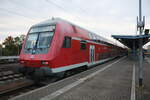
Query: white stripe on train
(65,68)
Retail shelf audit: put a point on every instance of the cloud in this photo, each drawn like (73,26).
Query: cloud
(104,17)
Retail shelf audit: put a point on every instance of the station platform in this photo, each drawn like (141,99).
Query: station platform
(144,94)
(114,80)
(113,83)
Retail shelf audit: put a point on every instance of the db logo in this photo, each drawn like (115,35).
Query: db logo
(32,56)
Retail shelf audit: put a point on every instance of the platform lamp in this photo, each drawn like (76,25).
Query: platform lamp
(146,31)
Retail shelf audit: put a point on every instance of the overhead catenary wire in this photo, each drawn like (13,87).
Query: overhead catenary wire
(60,7)
(63,9)
(35,11)
(48,1)
(81,9)
(16,13)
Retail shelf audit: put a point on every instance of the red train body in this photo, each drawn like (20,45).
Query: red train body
(55,46)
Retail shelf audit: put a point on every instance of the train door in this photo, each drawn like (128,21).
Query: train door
(92,53)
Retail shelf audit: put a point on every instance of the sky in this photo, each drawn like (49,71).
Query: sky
(104,17)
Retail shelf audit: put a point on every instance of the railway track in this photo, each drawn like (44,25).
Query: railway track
(11,80)
(13,84)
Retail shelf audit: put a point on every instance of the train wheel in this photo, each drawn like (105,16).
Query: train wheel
(38,76)
(60,74)
(22,70)
(67,73)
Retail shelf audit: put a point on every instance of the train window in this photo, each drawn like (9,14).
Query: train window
(67,42)
(44,39)
(39,39)
(97,38)
(94,36)
(31,40)
(42,29)
(90,35)
(83,44)
(74,29)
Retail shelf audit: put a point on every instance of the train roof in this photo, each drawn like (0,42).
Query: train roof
(56,20)
(46,22)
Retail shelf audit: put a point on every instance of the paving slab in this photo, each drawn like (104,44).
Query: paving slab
(144,93)
(39,93)
(114,83)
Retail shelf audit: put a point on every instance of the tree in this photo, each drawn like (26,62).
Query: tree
(18,42)
(0,45)
(13,45)
(10,48)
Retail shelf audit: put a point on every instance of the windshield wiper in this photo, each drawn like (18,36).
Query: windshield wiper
(42,47)
(29,48)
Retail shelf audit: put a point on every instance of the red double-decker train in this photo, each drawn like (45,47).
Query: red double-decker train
(56,46)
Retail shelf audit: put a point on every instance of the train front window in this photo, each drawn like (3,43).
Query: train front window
(39,39)
(31,41)
(44,39)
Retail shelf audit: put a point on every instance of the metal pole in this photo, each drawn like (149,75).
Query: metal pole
(1,51)
(141,63)
(140,11)
(140,47)
(134,50)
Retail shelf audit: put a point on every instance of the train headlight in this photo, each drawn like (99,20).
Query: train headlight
(44,62)
(22,62)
